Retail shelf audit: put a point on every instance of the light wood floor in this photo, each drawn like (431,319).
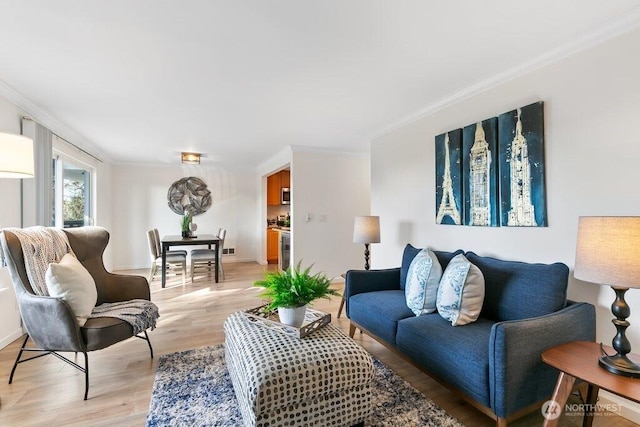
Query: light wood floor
(49,392)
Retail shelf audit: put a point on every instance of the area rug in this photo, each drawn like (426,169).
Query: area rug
(193,388)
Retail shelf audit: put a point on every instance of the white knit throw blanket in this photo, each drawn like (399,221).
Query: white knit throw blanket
(40,247)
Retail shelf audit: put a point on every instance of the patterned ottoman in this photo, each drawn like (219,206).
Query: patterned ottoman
(322,379)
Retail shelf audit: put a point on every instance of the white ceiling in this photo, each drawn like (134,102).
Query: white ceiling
(241,79)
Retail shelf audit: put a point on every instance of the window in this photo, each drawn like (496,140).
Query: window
(72,193)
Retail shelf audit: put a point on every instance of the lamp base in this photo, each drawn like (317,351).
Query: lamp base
(620,365)
(366,256)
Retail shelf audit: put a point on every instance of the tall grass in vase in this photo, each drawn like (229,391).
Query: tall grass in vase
(185,224)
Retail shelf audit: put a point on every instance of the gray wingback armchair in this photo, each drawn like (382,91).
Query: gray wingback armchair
(50,322)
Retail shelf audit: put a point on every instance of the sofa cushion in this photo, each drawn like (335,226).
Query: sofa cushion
(409,254)
(461,292)
(422,282)
(458,356)
(517,290)
(379,312)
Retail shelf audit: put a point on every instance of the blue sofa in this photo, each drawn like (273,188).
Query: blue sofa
(494,361)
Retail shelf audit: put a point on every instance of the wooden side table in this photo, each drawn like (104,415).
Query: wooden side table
(579,360)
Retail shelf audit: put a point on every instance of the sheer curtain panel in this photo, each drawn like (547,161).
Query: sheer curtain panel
(36,192)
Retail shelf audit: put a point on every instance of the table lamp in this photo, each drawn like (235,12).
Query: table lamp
(366,230)
(608,253)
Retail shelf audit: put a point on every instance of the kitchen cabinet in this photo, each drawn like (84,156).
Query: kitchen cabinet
(272,246)
(285,179)
(275,184)
(273,189)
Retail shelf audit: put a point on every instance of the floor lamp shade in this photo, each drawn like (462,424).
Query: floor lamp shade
(608,253)
(16,156)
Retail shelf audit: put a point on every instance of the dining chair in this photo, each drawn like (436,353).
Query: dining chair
(174,258)
(206,260)
(156,235)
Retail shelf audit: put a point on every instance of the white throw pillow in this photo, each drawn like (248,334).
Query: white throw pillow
(70,281)
(461,292)
(422,282)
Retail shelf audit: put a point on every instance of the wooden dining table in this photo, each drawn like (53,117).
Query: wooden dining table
(201,239)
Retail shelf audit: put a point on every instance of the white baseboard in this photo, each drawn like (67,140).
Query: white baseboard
(620,406)
(5,341)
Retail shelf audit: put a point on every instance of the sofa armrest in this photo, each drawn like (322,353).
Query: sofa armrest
(517,375)
(360,281)
(124,287)
(50,323)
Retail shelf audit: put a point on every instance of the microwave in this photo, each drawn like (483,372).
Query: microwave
(285,196)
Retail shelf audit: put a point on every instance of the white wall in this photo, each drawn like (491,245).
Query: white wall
(332,188)
(139,203)
(592,144)
(10,328)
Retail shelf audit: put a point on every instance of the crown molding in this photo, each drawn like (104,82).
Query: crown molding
(612,29)
(54,125)
(320,150)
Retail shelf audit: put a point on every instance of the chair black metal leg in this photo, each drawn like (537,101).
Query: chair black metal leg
(64,359)
(15,364)
(45,352)
(149,342)
(146,338)
(86,375)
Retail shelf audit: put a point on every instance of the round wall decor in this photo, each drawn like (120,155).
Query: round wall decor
(189,194)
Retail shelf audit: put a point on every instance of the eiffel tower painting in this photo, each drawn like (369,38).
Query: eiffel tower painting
(448,183)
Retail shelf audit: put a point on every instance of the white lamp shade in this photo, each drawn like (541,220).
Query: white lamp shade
(366,229)
(608,251)
(16,156)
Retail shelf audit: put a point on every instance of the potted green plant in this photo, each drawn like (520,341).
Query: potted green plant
(291,290)
(186,224)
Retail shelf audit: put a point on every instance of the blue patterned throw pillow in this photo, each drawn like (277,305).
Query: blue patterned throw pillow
(421,287)
(461,292)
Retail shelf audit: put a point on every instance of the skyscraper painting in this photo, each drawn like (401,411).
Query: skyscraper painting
(480,173)
(448,178)
(521,157)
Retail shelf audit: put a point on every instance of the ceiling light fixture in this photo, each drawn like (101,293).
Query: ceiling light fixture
(190,158)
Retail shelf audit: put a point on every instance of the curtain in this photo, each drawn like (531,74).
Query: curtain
(36,192)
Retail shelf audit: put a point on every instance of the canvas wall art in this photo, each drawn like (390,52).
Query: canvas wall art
(448,178)
(480,173)
(521,157)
